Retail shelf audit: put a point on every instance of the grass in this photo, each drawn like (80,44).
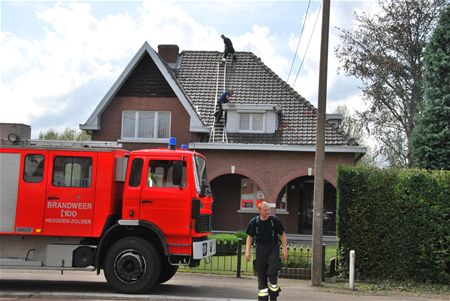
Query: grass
(386,287)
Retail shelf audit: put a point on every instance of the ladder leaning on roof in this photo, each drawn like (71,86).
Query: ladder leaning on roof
(219,130)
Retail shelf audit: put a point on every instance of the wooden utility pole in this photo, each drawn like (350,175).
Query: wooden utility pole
(316,268)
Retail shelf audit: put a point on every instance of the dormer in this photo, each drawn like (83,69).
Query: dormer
(251,118)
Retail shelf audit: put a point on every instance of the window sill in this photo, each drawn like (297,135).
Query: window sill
(247,211)
(281,212)
(152,140)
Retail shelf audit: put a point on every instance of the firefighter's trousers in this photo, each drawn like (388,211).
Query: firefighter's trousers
(267,266)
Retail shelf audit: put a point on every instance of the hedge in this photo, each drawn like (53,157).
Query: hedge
(397,221)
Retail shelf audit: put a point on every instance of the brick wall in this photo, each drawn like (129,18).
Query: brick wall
(271,171)
(111,120)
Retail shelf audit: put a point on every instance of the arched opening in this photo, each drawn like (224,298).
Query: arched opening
(295,206)
(236,198)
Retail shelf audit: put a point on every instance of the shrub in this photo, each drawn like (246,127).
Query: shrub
(396,221)
(226,244)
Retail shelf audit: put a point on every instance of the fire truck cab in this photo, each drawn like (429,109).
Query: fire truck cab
(135,215)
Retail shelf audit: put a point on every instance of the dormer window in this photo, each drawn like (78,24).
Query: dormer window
(251,122)
(251,118)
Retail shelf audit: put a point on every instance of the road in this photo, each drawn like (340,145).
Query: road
(51,285)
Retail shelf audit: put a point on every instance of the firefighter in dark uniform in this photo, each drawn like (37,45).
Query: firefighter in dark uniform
(266,230)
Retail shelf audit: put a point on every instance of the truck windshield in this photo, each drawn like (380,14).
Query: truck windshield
(200,172)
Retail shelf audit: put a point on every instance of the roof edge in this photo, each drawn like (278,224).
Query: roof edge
(277,147)
(93,122)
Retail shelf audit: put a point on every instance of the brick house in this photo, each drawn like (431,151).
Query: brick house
(264,149)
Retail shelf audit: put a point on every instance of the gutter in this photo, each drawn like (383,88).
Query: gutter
(276,147)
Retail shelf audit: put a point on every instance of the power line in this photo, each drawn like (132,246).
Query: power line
(299,40)
(307,46)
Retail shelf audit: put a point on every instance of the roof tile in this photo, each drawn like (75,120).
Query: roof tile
(253,83)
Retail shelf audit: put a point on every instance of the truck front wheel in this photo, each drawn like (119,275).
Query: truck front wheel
(167,271)
(132,265)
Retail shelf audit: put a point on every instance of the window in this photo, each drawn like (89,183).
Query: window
(33,169)
(72,172)
(136,172)
(251,194)
(282,199)
(251,122)
(200,172)
(160,174)
(145,125)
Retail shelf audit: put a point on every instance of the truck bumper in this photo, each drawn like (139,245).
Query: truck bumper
(203,249)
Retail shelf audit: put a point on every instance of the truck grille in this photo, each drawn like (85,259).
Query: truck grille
(203,223)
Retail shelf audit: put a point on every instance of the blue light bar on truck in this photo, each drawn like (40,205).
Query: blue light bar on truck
(172,143)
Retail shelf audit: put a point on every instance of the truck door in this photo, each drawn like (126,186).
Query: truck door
(31,192)
(163,203)
(70,193)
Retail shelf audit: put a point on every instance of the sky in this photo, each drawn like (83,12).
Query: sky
(59,58)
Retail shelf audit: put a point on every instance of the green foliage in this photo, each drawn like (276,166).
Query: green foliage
(431,143)
(67,135)
(298,257)
(385,51)
(226,244)
(396,221)
(242,235)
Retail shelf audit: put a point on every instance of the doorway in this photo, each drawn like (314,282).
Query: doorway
(306,203)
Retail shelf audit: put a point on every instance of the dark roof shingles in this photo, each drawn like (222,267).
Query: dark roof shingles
(253,83)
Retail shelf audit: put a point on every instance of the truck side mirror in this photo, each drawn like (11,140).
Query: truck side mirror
(177,172)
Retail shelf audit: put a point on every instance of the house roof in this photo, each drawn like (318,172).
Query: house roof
(195,81)
(253,83)
(196,124)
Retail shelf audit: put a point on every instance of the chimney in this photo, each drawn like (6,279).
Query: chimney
(335,119)
(169,53)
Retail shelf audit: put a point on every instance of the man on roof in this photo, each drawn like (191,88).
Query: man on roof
(228,49)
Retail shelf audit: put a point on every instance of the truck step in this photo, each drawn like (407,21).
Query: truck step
(19,262)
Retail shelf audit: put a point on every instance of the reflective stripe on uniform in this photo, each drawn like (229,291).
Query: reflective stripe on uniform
(274,287)
(264,292)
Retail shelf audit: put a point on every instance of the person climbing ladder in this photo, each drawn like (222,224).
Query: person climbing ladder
(224,98)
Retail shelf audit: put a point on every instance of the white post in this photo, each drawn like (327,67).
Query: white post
(351,278)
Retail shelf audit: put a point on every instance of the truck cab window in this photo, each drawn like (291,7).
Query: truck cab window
(72,172)
(33,168)
(160,174)
(136,172)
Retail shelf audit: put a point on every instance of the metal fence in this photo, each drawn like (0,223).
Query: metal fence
(230,259)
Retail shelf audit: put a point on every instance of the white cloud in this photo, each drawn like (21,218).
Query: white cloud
(341,15)
(53,73)
(262,44)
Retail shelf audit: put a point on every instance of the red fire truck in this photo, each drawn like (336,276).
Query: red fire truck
(135,215)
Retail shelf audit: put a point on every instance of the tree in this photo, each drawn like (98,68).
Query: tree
(385,52)
(68,135)
(354,128)
(350,125)
(431,139)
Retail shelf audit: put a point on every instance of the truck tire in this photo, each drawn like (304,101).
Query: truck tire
(167,271)
(132,265)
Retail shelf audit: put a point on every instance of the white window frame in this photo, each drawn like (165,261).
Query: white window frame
(251,130)
(136,128)
(286,193)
